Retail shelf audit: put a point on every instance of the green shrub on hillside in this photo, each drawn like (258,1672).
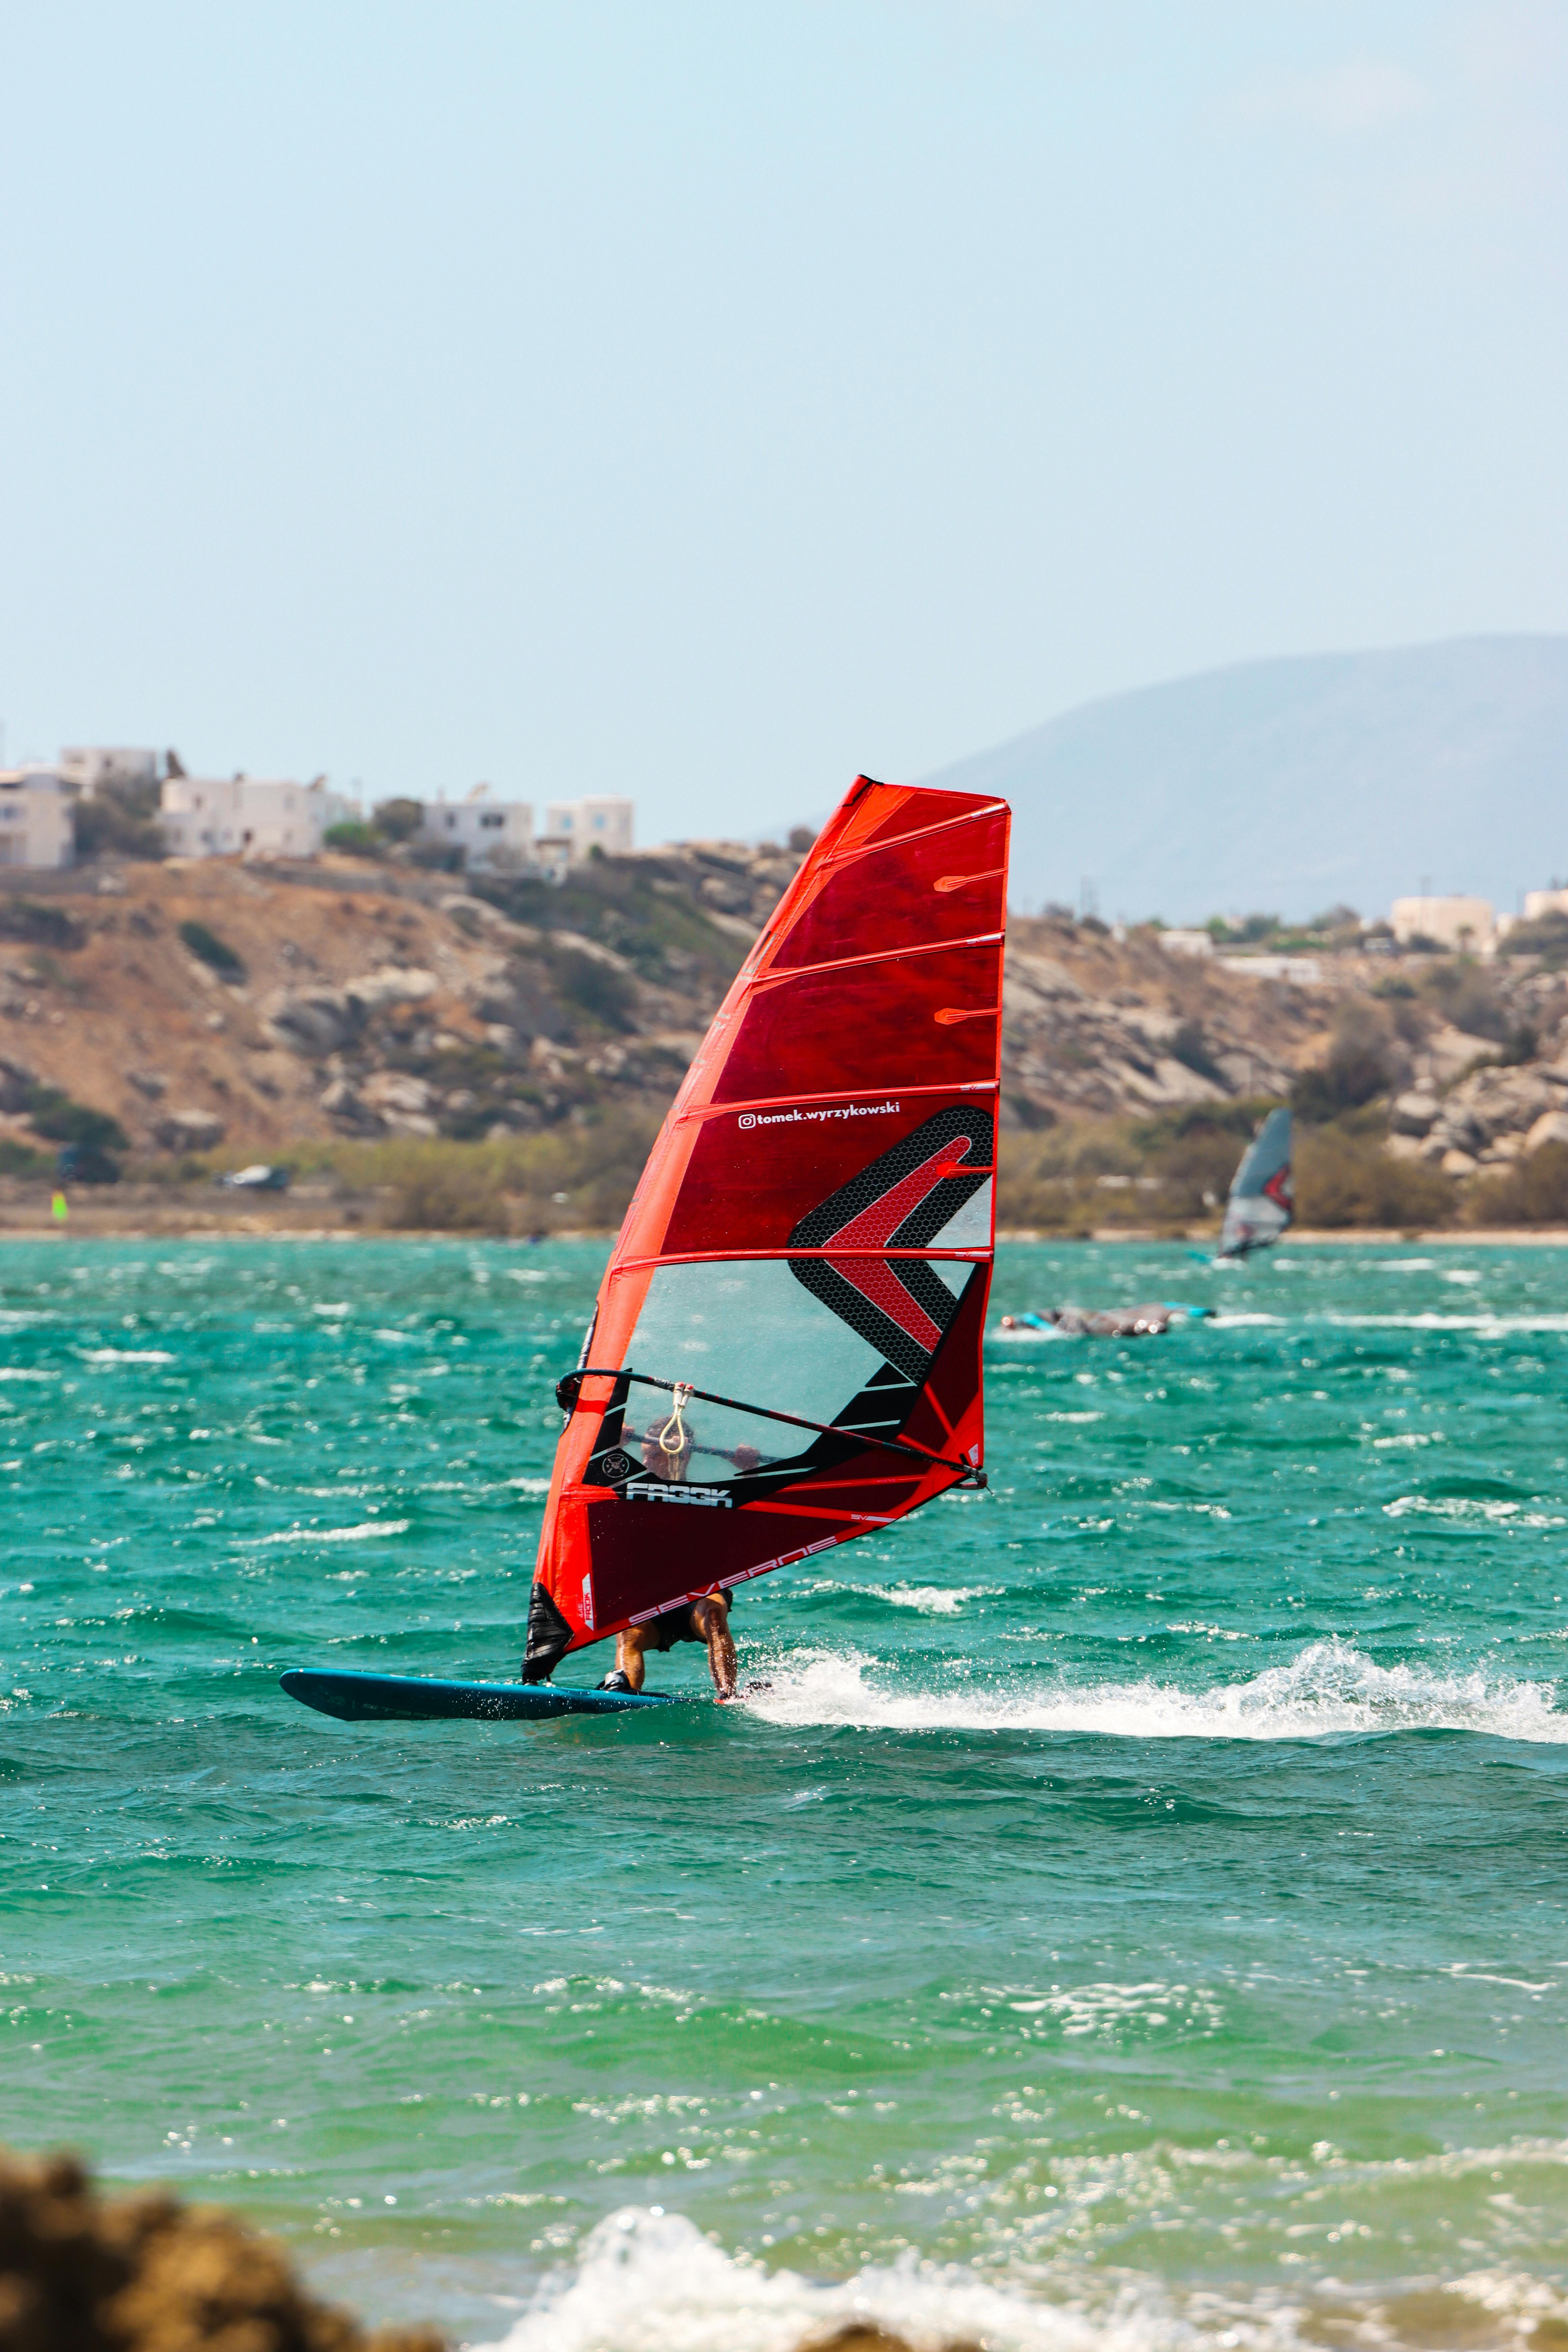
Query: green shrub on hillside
(354,838)
(1465,993)
(1364,1061)
(597,989)
(115,823)
(1546,937)
(56,1115)
(1533,1192)
(38,925)
(210,950)
(398,820)
(17,1159)
(508,1186)
(1348,1179)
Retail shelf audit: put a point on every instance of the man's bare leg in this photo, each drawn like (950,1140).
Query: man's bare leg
(711,1618)
(630,1660)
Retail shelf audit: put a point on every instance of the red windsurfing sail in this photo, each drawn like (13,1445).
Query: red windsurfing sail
(786,1348)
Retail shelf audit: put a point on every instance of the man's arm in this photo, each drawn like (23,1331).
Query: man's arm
(711,1618)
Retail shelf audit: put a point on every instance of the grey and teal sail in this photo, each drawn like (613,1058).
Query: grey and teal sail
(1262,1202)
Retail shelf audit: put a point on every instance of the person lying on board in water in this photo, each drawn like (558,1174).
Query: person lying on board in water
(1108,1323)
(706,1621)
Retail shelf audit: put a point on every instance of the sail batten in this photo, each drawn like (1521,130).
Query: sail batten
(879,955)
(807,1256)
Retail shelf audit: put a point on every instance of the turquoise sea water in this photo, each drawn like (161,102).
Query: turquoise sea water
(1133,1916)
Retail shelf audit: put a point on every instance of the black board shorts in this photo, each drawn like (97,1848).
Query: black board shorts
(675,1625)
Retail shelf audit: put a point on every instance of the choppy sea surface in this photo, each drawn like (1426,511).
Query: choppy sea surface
(1132,1916)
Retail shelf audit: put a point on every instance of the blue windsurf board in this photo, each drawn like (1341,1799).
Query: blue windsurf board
(405,1698)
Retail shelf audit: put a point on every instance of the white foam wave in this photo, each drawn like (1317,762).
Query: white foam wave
(1493,1325)
(931,1600)
(365,1533)
(650,2281)
(1330,1688)
(1494,1513)
(126,1356)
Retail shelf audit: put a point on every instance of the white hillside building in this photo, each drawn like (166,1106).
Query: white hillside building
(88,767)
(249,816)
(593,823)
(1457,923)
(36,827)
(488,832)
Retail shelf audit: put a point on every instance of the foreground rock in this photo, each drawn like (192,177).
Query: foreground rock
(81,2273)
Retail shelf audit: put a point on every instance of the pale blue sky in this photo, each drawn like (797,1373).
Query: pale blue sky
(706,401)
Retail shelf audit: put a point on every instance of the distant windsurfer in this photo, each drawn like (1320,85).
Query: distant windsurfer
(1262,1203)
(706,1619)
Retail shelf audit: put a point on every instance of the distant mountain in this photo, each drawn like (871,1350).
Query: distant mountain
(1289,785)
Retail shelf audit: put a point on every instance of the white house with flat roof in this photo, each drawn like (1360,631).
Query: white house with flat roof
(488,832)
(36,827)
(249,816)
(594,824)
(88,767)
(1459,924)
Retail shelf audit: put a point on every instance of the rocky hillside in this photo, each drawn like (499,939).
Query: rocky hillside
(210,1007)
(204,1015)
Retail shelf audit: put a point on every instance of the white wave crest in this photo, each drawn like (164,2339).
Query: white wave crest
(365,1533)
(1330,1688)
(1490,1327)
(650,2281)
(126,1356)
(930,1599)
(1489,1508)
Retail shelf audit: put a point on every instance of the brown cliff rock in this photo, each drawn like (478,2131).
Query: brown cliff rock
(82,2273)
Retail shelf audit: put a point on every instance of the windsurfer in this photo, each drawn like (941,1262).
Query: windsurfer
(667,1447)
(666,1444)
(706,1619)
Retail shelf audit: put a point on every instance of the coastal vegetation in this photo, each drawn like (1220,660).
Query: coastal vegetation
(211,951)
(568,1179)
